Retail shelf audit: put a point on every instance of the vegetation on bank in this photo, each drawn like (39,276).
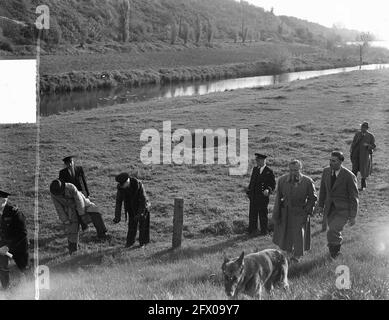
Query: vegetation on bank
(302,119)
(84,72)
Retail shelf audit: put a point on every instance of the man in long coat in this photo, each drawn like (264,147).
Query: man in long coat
(294,203)
(71,204)
(361,153)
(262,184)
(136,205)
(13,239)
(338,200)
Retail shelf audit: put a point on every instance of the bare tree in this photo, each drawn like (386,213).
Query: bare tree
(363,40)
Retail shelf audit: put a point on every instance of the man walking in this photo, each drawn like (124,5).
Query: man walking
(294,203)
(13,239)
(262,184)
(361,153)
(338,200)
(71,204)
(136,205)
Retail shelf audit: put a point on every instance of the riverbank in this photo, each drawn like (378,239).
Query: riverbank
(61,73)
(303,119)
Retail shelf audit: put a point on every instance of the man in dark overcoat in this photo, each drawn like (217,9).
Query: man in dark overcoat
(361,153)
(262,184)
(13,239)
(136,206)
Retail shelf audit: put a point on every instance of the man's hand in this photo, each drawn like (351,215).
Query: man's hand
(266,193)
(116,220)
(4,250)
(351,222)
(66,223)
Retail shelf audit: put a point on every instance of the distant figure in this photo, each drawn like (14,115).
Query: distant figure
(75,175)
(338,201)
(262,184)
(294,203)
(136,205)
(71,204)
(13,239)
(361,153)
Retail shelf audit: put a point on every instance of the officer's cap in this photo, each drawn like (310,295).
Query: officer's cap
(68,159)
(4,194)
(260,156)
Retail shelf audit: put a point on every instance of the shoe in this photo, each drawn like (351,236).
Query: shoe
(104,237)
(129,245)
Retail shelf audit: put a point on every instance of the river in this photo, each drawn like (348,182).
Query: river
(57,103)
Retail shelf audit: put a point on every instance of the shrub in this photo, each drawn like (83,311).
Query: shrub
(5,45)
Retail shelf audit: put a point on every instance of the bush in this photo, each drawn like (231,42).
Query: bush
(6,46)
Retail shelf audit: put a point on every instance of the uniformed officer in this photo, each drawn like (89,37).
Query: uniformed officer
(262,184)
(13,239)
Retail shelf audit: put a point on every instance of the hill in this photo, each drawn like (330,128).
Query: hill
(194,21)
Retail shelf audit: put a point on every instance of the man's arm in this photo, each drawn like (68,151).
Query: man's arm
(82,176)
(118,206)
(272,182)
(323,191)
(60,210)
(143,201)
(311,197)
(251,182)
(352,188)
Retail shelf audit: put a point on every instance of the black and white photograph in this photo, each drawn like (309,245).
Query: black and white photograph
(218,152)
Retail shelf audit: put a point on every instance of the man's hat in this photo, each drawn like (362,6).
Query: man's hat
(57,187)
(260,156)
(365,124)
(122,178)
(4,194)
(67,159)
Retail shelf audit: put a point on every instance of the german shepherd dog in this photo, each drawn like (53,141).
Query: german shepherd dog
(248,274)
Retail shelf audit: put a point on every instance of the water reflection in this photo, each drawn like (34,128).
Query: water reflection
(56,103)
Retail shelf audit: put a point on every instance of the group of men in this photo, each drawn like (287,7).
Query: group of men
(70,196)
(295,198)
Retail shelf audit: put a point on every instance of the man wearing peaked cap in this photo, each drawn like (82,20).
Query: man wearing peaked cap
(262,184)
(74,174)
(136,205)
(13,238)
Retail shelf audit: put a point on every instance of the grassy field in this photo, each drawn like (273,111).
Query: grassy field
(85,71)
(304,120)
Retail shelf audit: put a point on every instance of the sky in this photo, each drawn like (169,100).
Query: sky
(372,15)
(18,91)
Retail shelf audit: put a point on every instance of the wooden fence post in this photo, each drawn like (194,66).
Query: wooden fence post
(178,221)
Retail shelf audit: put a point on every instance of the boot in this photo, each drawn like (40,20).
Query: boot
(334,250)
(363,183)
(72,246)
